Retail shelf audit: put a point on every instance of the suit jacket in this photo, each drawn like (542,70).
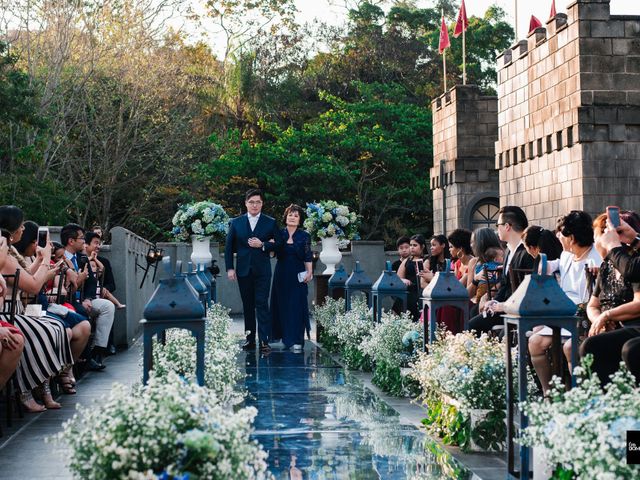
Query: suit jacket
(249,258)
(108,281)
(521,260)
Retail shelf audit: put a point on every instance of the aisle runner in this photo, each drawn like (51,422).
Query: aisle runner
(317,422)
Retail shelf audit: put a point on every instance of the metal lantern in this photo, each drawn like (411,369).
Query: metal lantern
(195,281)
(174,304)
(358,281)
(337,282)
(443,290)
(204,278)
(389,284)
(539,300)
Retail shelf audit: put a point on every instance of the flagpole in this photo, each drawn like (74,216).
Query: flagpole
(444,68)
(464,57)
(515,5)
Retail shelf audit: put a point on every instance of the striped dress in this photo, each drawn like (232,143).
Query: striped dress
(46,349)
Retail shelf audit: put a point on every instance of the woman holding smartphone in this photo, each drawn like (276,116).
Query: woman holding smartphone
(410,270)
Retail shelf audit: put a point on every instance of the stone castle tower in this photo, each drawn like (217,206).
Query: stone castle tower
(568,119)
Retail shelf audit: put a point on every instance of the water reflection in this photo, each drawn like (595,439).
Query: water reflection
(319,423)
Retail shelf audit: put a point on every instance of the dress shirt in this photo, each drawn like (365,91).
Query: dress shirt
(253,221)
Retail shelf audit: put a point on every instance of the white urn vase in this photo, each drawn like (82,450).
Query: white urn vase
(330,255)
(201,254)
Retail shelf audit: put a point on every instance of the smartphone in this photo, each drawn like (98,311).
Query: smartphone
(614,216)
(43,236)
(419,266)
(83,260)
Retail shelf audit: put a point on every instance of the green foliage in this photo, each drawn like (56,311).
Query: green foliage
(448,423)
(490,432)
(375,150)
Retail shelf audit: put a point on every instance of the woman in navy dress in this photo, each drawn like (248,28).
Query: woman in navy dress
(289,308)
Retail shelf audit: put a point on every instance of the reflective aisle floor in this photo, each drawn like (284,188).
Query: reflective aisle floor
(318,422)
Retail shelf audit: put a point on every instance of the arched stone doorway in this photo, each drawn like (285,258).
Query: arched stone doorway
(482,211)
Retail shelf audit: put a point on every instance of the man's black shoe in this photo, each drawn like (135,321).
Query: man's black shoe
(94,366)
(248,345)
(264,347)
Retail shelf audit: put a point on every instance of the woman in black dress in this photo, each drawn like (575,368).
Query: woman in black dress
(409,273)
(289,307)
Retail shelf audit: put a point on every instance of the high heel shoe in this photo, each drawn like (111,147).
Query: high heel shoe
(67,382)
(122,306)
(29,403)
(47,398)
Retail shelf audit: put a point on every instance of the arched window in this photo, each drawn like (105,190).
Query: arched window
(485,213)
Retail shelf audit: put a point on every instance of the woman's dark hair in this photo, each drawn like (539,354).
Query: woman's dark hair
(11,217)
(56,246)
(579,224)
(29,236)
(253,193)
(461,238)
(420,240)
(402,240)
(433,261)
(545,240)
(484,239)
(294,208)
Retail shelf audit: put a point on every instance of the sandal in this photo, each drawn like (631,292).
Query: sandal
(47,398)
(29,403)
(67,382)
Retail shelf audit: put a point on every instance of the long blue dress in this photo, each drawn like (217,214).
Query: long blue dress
(289,307)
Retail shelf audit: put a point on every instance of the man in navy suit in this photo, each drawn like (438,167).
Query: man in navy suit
(252,236)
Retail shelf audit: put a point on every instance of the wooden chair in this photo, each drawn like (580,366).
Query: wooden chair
(492,276)
(516,276)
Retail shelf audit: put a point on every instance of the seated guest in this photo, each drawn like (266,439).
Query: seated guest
(512,221)
(487,249)
(403,244)
(461,253)
(576,231)
(404,251)
(439,254)
(11,339)
(99,309)
(488,275)
(78,327)
(539,240)
(92,244)
(408,272)
(616,302)
(46,345)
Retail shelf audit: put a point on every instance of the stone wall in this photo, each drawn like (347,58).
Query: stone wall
(464,133)
(569,115)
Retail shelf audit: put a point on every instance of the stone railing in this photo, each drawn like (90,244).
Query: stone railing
(128,249)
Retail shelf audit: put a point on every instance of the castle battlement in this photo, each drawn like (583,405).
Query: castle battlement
(569,114)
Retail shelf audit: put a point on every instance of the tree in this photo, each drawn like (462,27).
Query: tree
(371,153)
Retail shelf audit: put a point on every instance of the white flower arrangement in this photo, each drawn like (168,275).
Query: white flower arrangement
(202,219)
(583,431)
(222,372)
(328,219)
(462,373)
(168,427)
(392,345)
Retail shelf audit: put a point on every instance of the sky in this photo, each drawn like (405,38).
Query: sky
(321,9)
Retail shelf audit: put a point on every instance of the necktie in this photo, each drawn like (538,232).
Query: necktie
(74,260)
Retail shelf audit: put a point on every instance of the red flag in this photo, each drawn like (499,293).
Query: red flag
(462,23)
(553,9)
(534,23)
(444,37)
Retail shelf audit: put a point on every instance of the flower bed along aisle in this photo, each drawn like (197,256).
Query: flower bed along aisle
(172,428)
(463,385)
(385,348)
(582,433)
